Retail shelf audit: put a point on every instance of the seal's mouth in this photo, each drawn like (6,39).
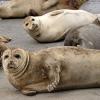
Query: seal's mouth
(11,65)
(35,27)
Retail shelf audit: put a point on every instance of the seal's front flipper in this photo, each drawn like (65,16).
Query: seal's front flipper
(54,77)
(33,89)
(29,92)
(49,3)
(56,13)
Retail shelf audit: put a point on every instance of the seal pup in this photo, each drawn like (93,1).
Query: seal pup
(52,69)
(87,36)
(52,26)
(18,8)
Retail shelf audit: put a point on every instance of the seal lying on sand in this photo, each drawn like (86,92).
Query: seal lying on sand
(22,8)
(53,25)
(52,69)
(87,36)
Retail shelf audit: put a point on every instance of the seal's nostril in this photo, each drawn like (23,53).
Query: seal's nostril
(26,24)
(11,62)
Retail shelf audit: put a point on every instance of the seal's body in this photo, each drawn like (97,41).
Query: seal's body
(54,25)
(22,8)
(87,36)
(52,69)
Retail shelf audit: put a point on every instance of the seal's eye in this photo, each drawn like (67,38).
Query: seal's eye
(33,19)
(26,24)
(6,56)
(17,56)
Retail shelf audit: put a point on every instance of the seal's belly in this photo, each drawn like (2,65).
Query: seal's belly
(81,71)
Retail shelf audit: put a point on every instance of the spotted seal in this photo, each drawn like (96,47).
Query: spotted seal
(52,69)
(54,25)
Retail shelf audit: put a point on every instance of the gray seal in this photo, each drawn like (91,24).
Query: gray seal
(87,36)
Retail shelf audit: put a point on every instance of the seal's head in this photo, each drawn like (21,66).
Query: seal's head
(15,61)
(31,25)
(4,39)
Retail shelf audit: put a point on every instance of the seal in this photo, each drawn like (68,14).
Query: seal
(54,25)
(87,36)
(52,69)
(3,46)
(18,8)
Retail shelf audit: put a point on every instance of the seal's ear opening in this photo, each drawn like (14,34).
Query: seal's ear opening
(33,13)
